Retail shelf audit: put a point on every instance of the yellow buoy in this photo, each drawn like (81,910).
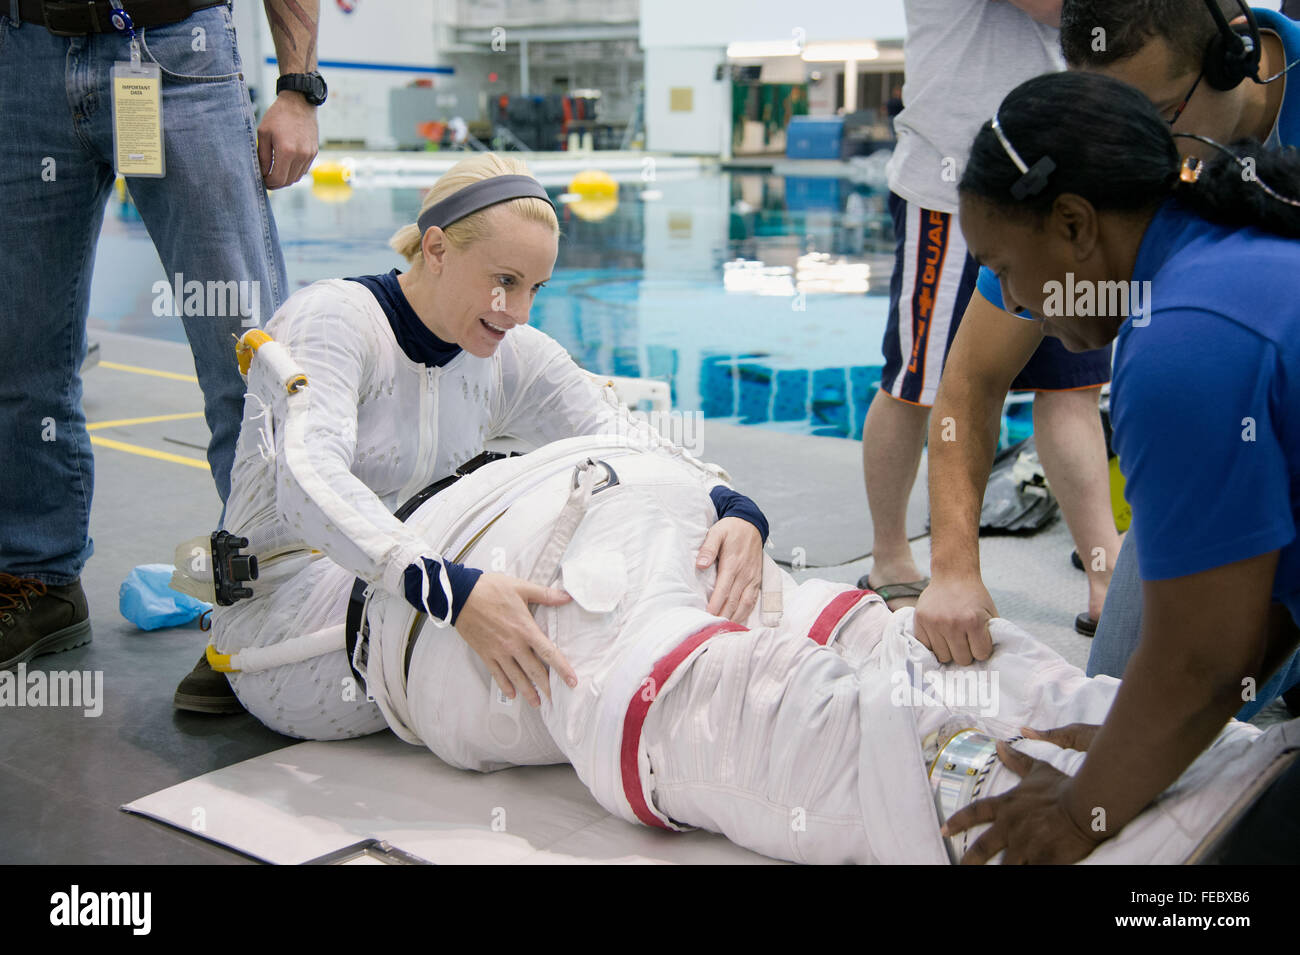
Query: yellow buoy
(594,184)
(331,174)
(340,192)
(593,210)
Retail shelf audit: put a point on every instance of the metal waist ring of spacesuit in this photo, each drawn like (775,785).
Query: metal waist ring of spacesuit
(357,627)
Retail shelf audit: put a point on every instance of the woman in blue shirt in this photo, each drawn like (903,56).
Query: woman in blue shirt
(1075,196)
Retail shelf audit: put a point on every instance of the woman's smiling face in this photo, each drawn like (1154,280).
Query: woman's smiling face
(487,289)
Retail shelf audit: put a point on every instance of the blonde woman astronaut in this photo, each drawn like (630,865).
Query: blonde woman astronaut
(410,373)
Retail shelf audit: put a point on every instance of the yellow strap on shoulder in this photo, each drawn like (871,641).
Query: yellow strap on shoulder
(247,346)
(219,661)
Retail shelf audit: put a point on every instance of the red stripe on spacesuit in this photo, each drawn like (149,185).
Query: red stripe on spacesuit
(833,613)
(639,709)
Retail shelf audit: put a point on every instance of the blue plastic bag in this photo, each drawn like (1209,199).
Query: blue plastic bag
(146,599)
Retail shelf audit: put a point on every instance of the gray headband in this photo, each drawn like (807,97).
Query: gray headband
(478,196)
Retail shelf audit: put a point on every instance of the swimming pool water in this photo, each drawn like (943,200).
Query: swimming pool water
(760,298)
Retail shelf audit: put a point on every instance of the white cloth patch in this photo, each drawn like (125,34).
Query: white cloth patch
(596,580)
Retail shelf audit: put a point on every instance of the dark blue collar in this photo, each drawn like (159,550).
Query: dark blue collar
(414,337)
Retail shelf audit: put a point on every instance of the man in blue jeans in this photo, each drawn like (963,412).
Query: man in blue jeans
(209,219)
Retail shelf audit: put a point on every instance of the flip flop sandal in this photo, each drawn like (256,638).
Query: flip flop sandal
(1085,625)
(890,592)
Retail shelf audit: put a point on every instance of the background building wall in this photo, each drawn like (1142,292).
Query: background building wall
(685,43)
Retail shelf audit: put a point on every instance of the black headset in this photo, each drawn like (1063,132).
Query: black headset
(1234,52)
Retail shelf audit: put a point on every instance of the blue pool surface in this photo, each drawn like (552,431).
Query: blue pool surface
(760,298)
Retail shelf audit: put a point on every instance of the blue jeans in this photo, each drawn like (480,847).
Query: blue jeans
(209,219)
(1120,629)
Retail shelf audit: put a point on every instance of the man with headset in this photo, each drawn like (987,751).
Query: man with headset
(1192,64)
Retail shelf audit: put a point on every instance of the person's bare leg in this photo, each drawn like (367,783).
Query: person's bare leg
(1072,449)
(893,437)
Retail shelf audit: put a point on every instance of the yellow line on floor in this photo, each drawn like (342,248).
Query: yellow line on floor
(123,422)
(149,452)
(136,369)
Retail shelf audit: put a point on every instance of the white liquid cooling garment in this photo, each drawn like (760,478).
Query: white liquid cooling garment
(321,470)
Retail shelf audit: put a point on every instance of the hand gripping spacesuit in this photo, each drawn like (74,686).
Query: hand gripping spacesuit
(818,731)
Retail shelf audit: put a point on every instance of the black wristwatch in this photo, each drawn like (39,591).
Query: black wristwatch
(310,85)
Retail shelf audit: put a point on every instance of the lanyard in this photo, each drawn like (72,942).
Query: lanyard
(123,23)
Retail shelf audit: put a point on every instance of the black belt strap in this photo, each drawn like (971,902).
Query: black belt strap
(352,628)
(83,17)
(356,627)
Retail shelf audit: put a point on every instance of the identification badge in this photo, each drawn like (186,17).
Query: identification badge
(137,120)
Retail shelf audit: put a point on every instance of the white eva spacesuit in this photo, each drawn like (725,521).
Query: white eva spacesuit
(809,739)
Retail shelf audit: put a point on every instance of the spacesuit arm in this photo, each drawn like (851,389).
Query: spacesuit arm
(335,344)
(544,396)
(731,503)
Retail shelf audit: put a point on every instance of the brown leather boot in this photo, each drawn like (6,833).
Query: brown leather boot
(205,690)
(38,618)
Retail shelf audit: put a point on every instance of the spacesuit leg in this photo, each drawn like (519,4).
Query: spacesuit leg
(761,740)
(318,698)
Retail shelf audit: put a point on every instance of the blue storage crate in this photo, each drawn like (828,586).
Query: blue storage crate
(814,137)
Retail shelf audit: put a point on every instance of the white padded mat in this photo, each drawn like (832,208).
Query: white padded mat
(306,801)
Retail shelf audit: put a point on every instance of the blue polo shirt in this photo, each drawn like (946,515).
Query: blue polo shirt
(1286,132)
(1205,400)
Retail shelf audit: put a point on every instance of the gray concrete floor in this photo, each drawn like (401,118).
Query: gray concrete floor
(64,775)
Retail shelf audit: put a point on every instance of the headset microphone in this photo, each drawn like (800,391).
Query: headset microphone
(1234,53)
